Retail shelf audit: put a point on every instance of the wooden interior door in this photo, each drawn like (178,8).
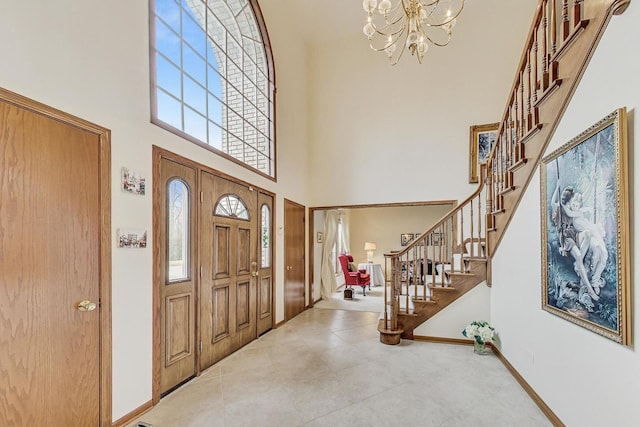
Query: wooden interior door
(176,275)
(294,250)
(265,260)
(51,240)
(228,256)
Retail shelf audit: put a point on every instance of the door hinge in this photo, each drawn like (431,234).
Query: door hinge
(201,272)
(200,346)
(201,196)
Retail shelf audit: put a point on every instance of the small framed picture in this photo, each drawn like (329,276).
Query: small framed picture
(481,140)
(132,182)
(435,239)
(319,237)
(406,238)
(132,238)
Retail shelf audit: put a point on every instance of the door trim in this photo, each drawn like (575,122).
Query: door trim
(157,155)
(104,181)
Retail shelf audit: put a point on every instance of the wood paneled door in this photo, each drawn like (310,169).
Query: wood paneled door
(176,273)
(228,233)
(294,289)
(55,266)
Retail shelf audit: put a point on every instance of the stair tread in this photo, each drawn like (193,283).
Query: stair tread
(422,301)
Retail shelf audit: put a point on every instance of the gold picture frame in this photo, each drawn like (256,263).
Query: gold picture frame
(584,200)
(481,140)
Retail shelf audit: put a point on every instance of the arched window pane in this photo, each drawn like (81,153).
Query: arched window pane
(178,231)
(212,77)
(231,206)
(265,229)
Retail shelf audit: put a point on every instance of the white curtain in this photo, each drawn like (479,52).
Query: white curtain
(344,220)
(328,275)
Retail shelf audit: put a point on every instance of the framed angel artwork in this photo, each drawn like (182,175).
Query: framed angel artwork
(585,230)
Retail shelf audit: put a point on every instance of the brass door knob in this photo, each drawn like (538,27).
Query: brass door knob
(86,305)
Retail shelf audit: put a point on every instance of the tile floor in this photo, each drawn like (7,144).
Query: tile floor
(328,368)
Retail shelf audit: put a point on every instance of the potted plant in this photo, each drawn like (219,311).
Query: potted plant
(481,332)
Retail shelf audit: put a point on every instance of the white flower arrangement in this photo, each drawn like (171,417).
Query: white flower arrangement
(480,330)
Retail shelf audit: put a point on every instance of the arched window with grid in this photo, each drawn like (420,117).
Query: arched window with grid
(212,77)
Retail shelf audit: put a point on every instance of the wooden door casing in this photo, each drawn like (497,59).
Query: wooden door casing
(228,291)
(265,272)
(294,254)
(177,297)
(55,252)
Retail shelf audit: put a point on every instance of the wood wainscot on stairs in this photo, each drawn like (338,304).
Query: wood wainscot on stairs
(454,255)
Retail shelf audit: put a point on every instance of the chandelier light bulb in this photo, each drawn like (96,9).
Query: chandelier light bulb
(384,7)
(369,30)
(369,5)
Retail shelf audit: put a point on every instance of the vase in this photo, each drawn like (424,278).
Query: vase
(480,348)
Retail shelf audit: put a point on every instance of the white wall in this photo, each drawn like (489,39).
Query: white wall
(449,323)
(586,379)
(90,58)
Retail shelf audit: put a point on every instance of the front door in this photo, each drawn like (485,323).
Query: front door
(294,295)
(176,273)
(229,267)
(51,238)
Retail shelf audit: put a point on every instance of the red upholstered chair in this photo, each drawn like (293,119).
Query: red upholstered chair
(354,278)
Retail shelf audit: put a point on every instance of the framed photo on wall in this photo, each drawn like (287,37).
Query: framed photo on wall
(481,140)
(585,230)
(406,238)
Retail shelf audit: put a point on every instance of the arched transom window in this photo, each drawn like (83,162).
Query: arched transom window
(231,206)
(212,77)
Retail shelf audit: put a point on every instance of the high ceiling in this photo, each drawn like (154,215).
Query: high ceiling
(322,21)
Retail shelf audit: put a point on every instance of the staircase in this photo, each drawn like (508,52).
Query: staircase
(562,38)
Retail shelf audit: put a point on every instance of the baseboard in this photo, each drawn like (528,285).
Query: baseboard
(443,340)
(546,410)
(553,418)
(280,323)
(128,418)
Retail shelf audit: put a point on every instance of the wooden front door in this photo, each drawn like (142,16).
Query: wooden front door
(176,273)
(294,294)
(228,256)
(53,313)
(265,274)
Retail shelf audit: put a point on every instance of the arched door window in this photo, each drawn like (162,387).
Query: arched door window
(178,227)
(231,206)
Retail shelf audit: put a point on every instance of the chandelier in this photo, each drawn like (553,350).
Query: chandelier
(409,24)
